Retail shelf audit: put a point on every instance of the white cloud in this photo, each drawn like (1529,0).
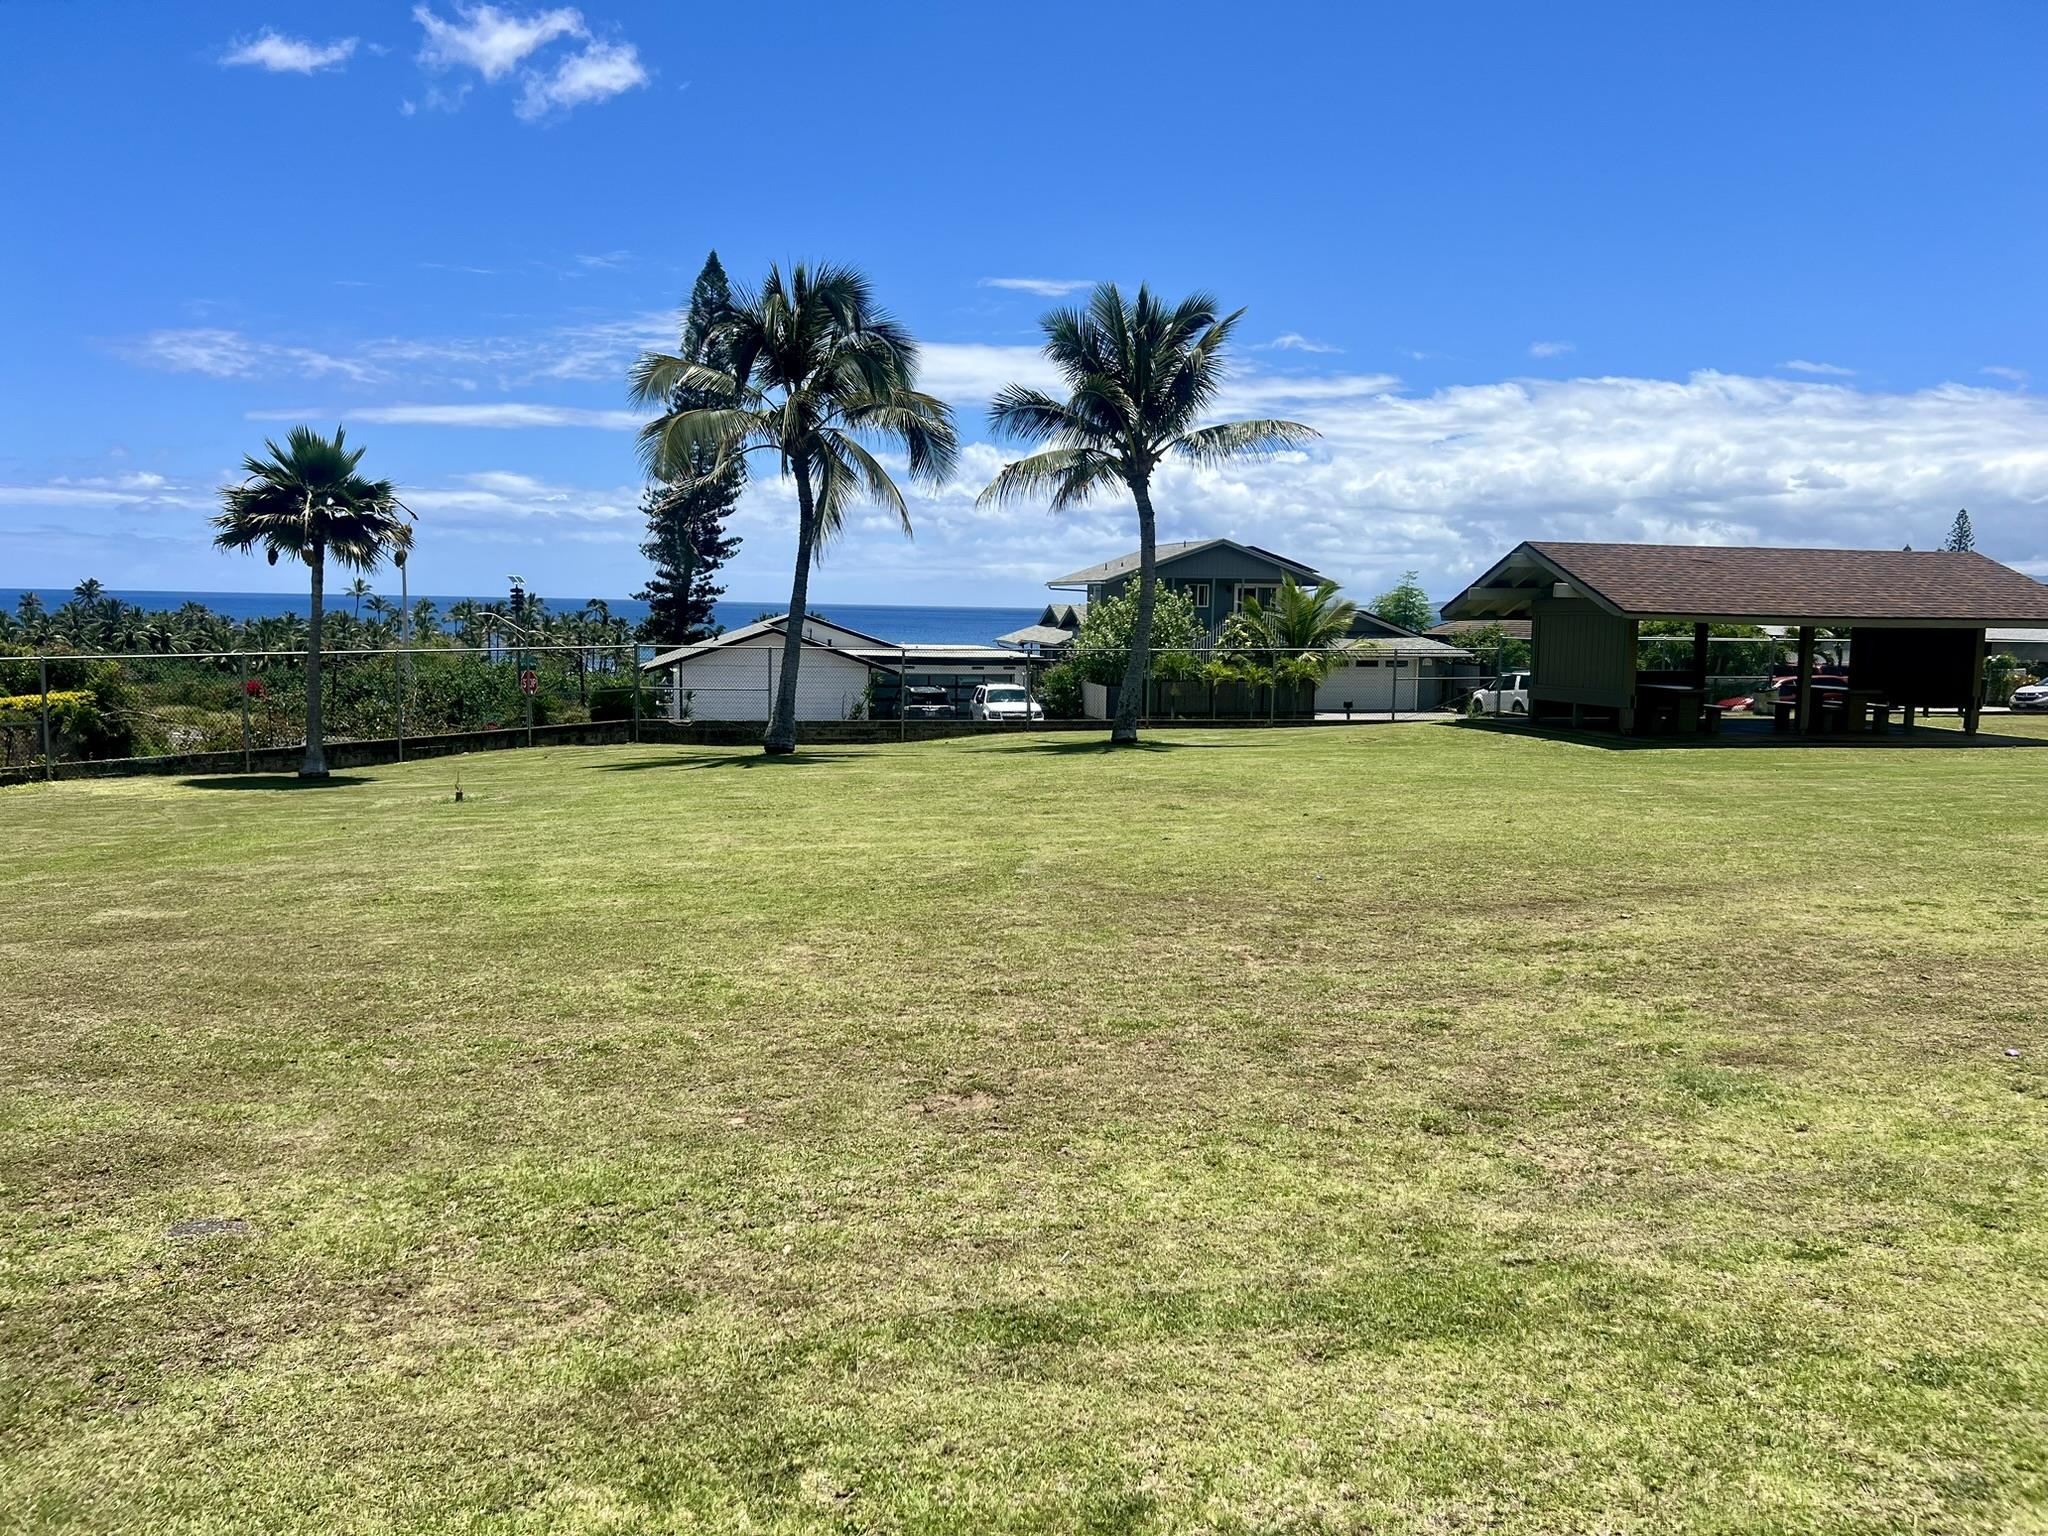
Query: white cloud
(605,260)
(1549,348)
(225,354)
(500,414)
(499,495)
(2015,376)
(1826,370)
(496,43)
(491,41)
(973,371)
(1044,287)
(283,55)
(1446,482)
(600,72)
(135,491)
(1294,341)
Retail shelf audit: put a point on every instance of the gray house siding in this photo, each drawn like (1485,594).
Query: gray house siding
(1220,570)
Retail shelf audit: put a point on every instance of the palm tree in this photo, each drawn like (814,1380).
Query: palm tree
(1140,376)
(818,369)
(359,589)
(307,501)
(1295,640)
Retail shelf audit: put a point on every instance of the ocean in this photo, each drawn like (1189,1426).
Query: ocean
(896,624)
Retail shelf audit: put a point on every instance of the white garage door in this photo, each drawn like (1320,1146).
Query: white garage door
(1365,686)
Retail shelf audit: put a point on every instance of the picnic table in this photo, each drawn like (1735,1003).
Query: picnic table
(1674,706)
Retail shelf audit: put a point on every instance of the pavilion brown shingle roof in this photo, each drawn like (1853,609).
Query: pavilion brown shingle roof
(1793,584)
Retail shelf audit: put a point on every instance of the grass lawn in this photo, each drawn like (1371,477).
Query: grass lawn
(1402,1128)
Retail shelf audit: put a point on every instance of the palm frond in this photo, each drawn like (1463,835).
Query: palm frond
(657,376)
(1241,439)
(873,478)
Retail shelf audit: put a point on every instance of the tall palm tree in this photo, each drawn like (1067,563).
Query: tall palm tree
(306,500)
(1140,376)
(819,369)
(359,589)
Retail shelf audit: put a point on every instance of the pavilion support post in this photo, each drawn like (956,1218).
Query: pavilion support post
(1974,711)
(1805,694)
(1699,657)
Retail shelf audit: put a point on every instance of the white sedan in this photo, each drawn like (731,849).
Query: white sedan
(1004,701)
(2032,696)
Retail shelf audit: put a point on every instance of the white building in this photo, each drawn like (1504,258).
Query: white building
(844,675)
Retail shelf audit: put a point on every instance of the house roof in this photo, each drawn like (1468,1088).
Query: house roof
(777,623)
(1510,629)
(1402,644)
(1064,615)
(934,655)
(2017,636)
(1761,586)
(1043,635)
(1165,554)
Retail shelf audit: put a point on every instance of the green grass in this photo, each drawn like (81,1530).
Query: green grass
(1391,1129)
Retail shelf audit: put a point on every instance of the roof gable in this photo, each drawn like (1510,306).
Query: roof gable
(1181,549)
(1760,585)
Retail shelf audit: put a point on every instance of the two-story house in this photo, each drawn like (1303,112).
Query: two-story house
(1216,574)
(1383,667)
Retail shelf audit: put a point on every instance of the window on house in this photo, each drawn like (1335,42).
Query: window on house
(1198,592)
(1266,592)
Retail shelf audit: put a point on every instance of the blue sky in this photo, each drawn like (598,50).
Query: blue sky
(1728,273)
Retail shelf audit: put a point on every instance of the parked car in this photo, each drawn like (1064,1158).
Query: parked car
(2030,696)
(1509,695)
(1741,703)
(924,701)
(1788,687)
(1004,701)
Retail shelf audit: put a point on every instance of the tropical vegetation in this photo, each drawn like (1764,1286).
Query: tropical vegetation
(816,371)
(1405,604)
(1141,376)
(307,501)
(1292,642)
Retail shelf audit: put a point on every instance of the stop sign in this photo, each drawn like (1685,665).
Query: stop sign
(529,683)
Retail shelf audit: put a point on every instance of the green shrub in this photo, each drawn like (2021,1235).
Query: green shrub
(614,701)
(1059,691)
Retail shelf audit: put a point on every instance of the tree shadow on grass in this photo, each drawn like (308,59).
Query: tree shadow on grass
(268,781)
(737,758)
(1100,746)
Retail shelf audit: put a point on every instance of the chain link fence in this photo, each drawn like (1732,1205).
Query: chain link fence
(230,709)
(64,708)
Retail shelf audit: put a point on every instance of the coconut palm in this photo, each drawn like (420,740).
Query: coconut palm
(306,500)
(1140,376)
(359,589)
(1294,639)
(818,371)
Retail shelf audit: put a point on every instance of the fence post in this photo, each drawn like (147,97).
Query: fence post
(634,668)
(902,695)
(245,725)
(43,667)
(404,663)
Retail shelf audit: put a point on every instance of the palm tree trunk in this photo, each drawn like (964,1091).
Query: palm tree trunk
(1130,700)
(781,737)
(315,765)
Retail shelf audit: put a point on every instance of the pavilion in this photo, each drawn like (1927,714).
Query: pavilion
(1915,620)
